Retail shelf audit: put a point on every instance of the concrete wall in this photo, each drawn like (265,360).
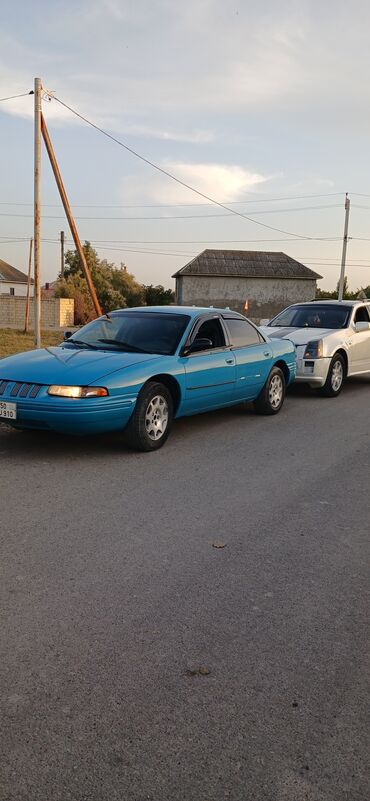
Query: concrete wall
(266,296)
(56,313)
(20,290)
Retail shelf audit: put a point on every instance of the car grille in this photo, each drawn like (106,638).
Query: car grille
(18,389)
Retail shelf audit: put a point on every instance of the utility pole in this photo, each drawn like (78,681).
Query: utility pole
(37,164)
(62,253)
(67,209)
(344,250)
(27,315)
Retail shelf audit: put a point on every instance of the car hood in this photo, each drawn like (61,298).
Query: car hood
(67,366)
(300,336)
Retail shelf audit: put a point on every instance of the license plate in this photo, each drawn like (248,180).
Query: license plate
(8,411)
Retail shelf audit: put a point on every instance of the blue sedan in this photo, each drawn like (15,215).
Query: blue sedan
(135,370)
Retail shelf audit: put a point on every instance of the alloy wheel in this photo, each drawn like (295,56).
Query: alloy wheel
(276,391)
(156,417)
(337,376)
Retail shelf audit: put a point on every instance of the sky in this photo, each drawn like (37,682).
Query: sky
(263,107)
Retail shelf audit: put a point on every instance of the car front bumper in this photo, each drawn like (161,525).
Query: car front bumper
(72,415)
(312,371)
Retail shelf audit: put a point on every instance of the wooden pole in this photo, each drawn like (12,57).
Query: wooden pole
(344,249)
(27,315)
(37,165)
(62,253)
(67,209)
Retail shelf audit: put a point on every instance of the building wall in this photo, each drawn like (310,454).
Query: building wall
(265,296)
(56,313)
(20,290)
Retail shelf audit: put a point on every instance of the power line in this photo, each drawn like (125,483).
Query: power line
(176,205)
(183,241)
(12,97)
(169,174)
(176,216)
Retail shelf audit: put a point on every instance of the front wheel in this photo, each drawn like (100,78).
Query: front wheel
(152,418)
(272,396)
(336,374)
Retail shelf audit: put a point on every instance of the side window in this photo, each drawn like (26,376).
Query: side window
(212,329)
(362,315)
(242,333)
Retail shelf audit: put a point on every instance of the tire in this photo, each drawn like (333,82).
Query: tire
(152,418)
(335,378)
(272,396)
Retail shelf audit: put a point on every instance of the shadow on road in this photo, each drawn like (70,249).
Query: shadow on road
(43,444)
(29,445)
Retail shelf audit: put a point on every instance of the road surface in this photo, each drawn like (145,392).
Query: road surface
(113,597)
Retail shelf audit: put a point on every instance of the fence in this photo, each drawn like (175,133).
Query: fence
(56,313)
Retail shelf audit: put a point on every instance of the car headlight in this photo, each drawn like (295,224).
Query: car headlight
(77,392)
(314,349)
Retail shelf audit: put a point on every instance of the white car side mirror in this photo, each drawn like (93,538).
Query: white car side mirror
(362,325)
(264,321)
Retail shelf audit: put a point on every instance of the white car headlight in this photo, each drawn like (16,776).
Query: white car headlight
(314,349)
(77,392)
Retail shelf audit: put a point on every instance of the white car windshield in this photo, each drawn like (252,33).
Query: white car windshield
(317,315)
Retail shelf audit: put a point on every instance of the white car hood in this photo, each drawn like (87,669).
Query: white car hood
(299,336)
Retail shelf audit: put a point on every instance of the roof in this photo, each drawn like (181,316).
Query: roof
(11,274)
(247,263)
(326,301)
(192,311)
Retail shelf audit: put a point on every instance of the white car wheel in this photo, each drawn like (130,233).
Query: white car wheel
(335,378)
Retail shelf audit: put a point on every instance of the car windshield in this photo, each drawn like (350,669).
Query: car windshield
(313,316)
(133,332)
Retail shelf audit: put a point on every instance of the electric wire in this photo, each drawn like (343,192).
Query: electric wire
(175,205)
(169,174)
(174,216)
(12,97)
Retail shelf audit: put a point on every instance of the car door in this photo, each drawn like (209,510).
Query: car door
(359,348)
(253,357)
(210,374)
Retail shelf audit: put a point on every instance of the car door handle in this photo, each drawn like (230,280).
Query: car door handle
(267,353)
(229,361)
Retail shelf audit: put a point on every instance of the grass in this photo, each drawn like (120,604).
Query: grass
(13,341)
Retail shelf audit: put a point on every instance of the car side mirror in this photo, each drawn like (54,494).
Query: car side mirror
(199,344)
(264,321)
(362,325)
(67,335)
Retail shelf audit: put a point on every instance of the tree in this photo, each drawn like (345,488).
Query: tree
(158,295)
(322,294)
(75,287)
(115,287)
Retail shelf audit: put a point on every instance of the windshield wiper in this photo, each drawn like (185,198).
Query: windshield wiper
(82,343)
(120,345)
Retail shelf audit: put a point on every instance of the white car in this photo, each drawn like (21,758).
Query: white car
(332,340)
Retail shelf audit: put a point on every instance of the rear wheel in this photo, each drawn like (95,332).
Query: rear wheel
(336,375)
(272,396)
(152,418)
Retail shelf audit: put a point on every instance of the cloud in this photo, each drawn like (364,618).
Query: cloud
(191,137)
(223,182)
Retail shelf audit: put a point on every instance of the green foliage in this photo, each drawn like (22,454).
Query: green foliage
(74,286)
(115,287)
(322,294)
(158,295)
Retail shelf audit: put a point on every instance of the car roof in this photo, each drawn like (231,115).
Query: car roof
(192,311)
(332,302)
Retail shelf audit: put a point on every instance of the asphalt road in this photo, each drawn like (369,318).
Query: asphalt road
(112,596)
